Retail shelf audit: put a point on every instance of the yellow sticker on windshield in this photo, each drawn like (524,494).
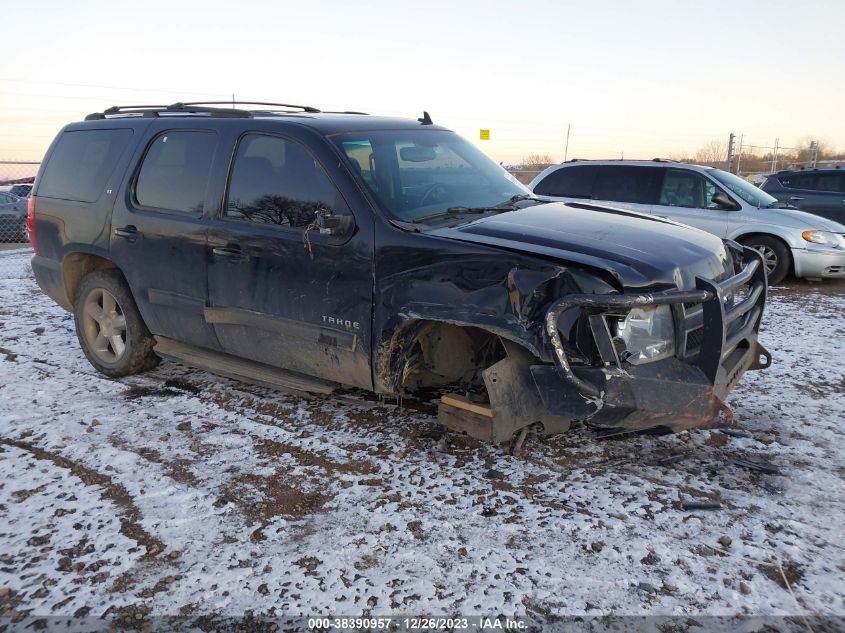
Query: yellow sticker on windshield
(485,135)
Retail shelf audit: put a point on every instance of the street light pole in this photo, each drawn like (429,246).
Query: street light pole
(566,149)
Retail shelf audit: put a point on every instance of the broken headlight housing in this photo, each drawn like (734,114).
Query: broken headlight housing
(648,334)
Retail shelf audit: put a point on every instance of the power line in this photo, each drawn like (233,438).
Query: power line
(73,85)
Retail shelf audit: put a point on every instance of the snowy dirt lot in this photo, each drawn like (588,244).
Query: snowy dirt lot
(178,492)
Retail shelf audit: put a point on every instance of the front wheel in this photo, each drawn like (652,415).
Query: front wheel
(110,329)
(775,254)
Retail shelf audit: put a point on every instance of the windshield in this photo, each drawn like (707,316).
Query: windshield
(744,189)
(419,173)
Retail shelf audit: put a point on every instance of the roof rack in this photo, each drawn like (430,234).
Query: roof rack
(174,108)
(233,103)
(208,108)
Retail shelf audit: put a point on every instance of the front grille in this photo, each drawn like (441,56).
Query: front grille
(694,339)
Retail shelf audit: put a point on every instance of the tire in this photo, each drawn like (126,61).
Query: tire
(109,327)
(775,253)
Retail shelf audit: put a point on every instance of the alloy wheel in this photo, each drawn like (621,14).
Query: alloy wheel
(104,326)
(770,258)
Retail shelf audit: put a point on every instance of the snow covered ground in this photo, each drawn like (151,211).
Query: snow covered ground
(178,492)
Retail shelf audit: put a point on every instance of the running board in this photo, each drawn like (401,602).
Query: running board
(241,369)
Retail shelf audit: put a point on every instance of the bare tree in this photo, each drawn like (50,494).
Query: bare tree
(713,153)
(537,161)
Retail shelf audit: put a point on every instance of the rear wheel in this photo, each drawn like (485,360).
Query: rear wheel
(775,254)
(110,329)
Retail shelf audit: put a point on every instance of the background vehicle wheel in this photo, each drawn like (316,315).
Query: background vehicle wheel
(775,255)
(110,329)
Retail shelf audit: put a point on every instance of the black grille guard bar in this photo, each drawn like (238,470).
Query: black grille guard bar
(711,294)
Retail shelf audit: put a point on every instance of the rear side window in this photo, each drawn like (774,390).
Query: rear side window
(799,181)
(174,174)
(278,182)
(830,182)
(569,182)
(626,184)
(81,163)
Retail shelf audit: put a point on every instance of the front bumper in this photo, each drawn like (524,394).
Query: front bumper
(819,263)
(716,342)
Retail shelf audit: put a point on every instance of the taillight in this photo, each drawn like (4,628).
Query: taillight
(30,224)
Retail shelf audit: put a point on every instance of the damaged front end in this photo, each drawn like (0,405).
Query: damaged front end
(628,361)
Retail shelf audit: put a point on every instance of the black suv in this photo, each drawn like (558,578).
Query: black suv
(819,191)
(308,250)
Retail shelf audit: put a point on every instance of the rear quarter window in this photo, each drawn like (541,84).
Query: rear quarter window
(81,163)
(623,183)
(568,182)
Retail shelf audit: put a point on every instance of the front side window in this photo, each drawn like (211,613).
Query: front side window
(417,173)
(683,188)
(277,181)
(618,183)
(174,174)
(744,189)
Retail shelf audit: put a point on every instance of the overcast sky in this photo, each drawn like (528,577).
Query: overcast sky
(647,78)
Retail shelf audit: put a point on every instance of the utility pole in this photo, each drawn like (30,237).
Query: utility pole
(813,154)
(729,160)
(739,153)
(566,150)
(775,156)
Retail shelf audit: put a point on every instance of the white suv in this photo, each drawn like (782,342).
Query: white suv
(791,241)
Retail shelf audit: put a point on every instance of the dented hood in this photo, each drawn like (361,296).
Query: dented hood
(638,250)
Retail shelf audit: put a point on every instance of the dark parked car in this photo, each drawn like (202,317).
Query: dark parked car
(12,218)
(22,190)
(819,191)
(308,250)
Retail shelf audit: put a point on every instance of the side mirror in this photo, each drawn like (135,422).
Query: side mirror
(724,202)
(330,223)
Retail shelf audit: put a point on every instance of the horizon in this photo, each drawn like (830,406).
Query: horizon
(601,71)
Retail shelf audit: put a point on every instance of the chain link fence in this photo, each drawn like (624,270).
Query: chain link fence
(16,178)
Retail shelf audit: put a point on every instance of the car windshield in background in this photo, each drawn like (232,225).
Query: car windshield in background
(744,189)
(418,174)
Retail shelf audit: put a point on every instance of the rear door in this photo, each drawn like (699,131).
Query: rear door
(280,292)
(686,196)
(158,234)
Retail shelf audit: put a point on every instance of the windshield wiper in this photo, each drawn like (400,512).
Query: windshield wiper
(507,205)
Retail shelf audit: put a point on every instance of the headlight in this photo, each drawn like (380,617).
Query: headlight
(826,238)
(648,334)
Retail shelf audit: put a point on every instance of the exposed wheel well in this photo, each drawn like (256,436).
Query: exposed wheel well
(434,353)
(748,237)
(76,265)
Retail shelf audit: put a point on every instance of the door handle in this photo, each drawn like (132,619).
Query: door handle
(235,255)
(129,233)
(796,198)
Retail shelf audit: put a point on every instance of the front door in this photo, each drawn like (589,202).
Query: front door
(687,197)
(158,236)
(280,292)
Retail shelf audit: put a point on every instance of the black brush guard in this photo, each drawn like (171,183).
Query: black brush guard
(715,344)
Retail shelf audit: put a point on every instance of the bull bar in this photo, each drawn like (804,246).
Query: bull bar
(720,330)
